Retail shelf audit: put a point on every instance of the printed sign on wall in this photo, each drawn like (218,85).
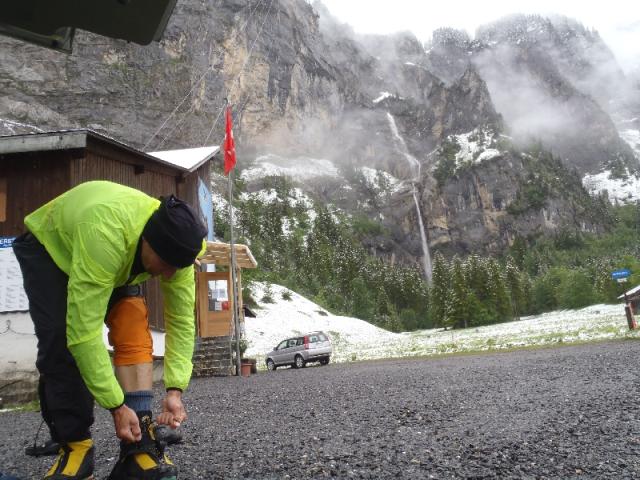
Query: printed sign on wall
(12,295)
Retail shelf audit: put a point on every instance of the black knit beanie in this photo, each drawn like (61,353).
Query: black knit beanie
(175,232)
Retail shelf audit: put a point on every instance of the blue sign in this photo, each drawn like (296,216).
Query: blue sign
(624,273)
(206,207)
(5,242)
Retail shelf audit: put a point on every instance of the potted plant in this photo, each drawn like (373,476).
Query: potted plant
(244,344)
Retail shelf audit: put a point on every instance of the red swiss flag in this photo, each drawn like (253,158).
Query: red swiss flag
(229,145)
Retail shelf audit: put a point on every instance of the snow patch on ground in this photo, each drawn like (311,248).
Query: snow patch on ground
(355,339)
(286,318)
(300,168)
(622,190)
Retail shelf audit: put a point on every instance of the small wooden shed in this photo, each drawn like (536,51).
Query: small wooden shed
(214,322)
(35,168)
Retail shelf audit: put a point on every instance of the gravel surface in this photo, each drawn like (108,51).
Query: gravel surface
(569,412)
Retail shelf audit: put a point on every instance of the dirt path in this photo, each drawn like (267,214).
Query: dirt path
(568,412)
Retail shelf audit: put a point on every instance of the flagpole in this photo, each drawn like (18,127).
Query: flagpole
(230,156)
(234,283)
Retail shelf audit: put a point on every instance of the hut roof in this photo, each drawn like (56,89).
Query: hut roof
(185,160)
(219,253)
(188,158)
(631,294)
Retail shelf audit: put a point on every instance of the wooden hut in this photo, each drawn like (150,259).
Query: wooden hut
(35,168)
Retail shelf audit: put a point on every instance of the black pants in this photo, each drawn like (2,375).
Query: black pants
(65,402)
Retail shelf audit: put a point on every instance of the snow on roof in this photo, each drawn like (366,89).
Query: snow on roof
(14,128)
(189,158)
(629,293)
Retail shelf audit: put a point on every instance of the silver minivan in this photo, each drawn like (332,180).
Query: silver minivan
(298,351)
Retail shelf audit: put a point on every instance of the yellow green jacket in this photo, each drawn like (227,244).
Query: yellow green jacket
(91,233)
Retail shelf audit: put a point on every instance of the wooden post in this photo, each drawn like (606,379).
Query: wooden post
(631,319)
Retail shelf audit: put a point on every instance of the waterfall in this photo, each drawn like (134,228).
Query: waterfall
(415,167)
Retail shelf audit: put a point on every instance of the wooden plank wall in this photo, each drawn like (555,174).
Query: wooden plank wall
(32,180)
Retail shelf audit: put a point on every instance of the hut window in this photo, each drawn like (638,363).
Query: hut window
(3,199)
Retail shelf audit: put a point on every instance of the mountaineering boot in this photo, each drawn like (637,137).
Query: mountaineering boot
(168,435)
(50,447)
(144,460)
(74,462)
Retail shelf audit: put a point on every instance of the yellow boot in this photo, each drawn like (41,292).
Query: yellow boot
(74,462)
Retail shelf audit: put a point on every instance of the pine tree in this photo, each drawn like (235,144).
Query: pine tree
(515,284)
(457,311)
(476,276)
(440,288)
(498,292)
(364,305)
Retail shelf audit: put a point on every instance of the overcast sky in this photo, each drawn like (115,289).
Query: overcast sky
(617,21)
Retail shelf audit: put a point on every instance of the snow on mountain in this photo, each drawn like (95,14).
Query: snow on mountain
(623,190)
(355,339)
(269,195)
(472,148)
(632,137)
(382,96)
(383,182)
(301,168)
(475,147)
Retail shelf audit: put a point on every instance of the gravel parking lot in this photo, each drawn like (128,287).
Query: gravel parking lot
(569,412)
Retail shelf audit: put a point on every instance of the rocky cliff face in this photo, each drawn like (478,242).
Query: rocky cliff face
(548,79)
(301,83)
(551,79)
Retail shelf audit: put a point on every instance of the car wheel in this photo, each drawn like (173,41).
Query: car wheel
(270,365)
(300,363)
(324,361)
